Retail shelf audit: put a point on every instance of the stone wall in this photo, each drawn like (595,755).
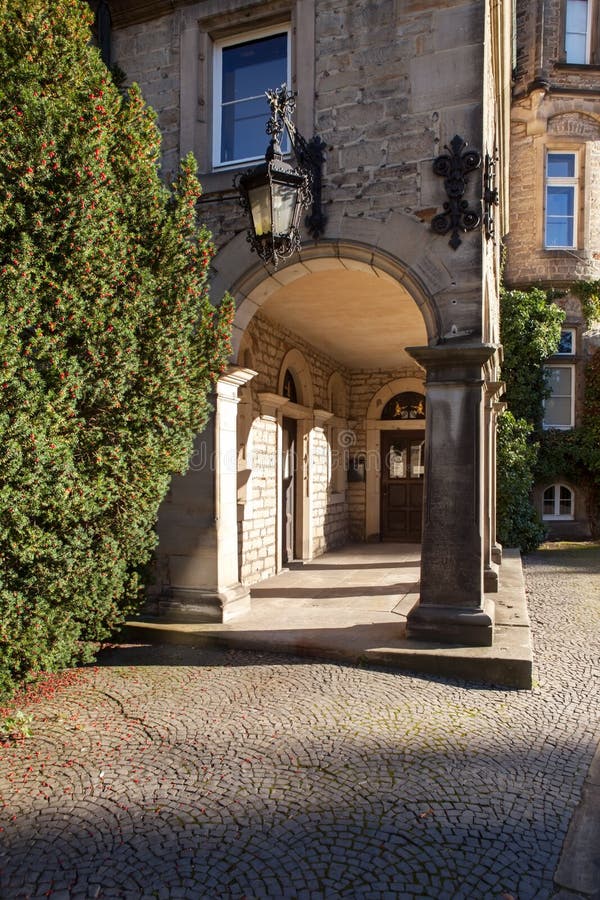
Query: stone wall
(258,518)
(386,85)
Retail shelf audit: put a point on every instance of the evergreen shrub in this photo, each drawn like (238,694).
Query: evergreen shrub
(108,340)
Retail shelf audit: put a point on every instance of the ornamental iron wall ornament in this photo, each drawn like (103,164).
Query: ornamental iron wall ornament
(454,168)
(490,194)
(275,193)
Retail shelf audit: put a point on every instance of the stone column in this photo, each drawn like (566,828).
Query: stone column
(452,607)
(198,527)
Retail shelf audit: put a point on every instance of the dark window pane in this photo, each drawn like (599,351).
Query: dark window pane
(243,134)
(566,342)
(249,69)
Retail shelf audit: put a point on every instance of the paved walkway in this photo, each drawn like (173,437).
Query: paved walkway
(184,772)
(352,604)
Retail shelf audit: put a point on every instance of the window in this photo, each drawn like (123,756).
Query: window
(244,70)
(557,502)
(577,31)
(566,346)
(558,408)
(561,200)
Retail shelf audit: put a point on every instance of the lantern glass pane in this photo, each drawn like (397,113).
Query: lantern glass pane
(284,206)
(260,209)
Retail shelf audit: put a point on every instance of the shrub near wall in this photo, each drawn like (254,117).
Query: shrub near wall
(108,339)
(530,325)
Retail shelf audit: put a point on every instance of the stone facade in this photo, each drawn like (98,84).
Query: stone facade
(381,307)
(556,108)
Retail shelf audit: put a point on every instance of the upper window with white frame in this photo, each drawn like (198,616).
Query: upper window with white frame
(559,407)
(566,345)
(578,28)
(244,68)
(561,200)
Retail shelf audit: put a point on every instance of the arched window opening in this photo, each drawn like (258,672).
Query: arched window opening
(408,405)
(558,502)
(289,389)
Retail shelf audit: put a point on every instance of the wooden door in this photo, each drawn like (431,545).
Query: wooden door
(402,473)
(288,492)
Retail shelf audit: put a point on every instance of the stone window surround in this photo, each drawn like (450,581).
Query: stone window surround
(218,48)
(572,182)
(197,43)
(552,144)
(571,425)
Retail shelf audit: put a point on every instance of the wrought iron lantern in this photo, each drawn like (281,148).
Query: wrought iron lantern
(275,193)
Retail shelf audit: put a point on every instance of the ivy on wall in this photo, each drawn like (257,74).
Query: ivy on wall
(530,326)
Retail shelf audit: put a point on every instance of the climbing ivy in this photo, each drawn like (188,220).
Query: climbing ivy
(588,294)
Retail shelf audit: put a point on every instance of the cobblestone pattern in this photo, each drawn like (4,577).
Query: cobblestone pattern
(232,774)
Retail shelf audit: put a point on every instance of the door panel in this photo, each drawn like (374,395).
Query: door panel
(402,473)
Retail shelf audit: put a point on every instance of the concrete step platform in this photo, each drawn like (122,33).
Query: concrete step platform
(351,605)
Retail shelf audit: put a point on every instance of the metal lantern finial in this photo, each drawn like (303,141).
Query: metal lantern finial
(275,193)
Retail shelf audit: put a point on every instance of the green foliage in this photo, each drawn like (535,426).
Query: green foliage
(588,294)
(530,325)
(575,455)
(517,523)
(108,340)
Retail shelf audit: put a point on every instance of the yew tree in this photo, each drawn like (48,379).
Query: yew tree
(108,339)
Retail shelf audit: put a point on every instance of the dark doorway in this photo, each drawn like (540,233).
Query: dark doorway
(288,492)
(402,473)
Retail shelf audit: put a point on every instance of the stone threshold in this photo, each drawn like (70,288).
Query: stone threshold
(300,614)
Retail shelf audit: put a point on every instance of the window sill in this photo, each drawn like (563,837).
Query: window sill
(577,67)
(559,251)
(558,518)
(557,427)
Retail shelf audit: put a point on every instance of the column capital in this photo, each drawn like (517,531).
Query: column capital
(321,416)
(454,361)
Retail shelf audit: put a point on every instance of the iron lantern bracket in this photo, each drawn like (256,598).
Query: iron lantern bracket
(307,174)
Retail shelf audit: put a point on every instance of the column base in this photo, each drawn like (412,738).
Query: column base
(491,578)
(198,605)
(497,554)
(452,624)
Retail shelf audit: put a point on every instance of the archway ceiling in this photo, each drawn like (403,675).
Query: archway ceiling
(364,320)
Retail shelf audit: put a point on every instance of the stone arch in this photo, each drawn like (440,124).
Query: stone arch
(574,124)
(399,248)
(408,382)
(295,362)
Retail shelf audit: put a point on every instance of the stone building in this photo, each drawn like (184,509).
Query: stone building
(362,395)
(554,237)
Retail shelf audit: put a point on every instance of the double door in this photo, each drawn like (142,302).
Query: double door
(402,475)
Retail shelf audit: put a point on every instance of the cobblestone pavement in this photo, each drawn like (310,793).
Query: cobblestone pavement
(179,772)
